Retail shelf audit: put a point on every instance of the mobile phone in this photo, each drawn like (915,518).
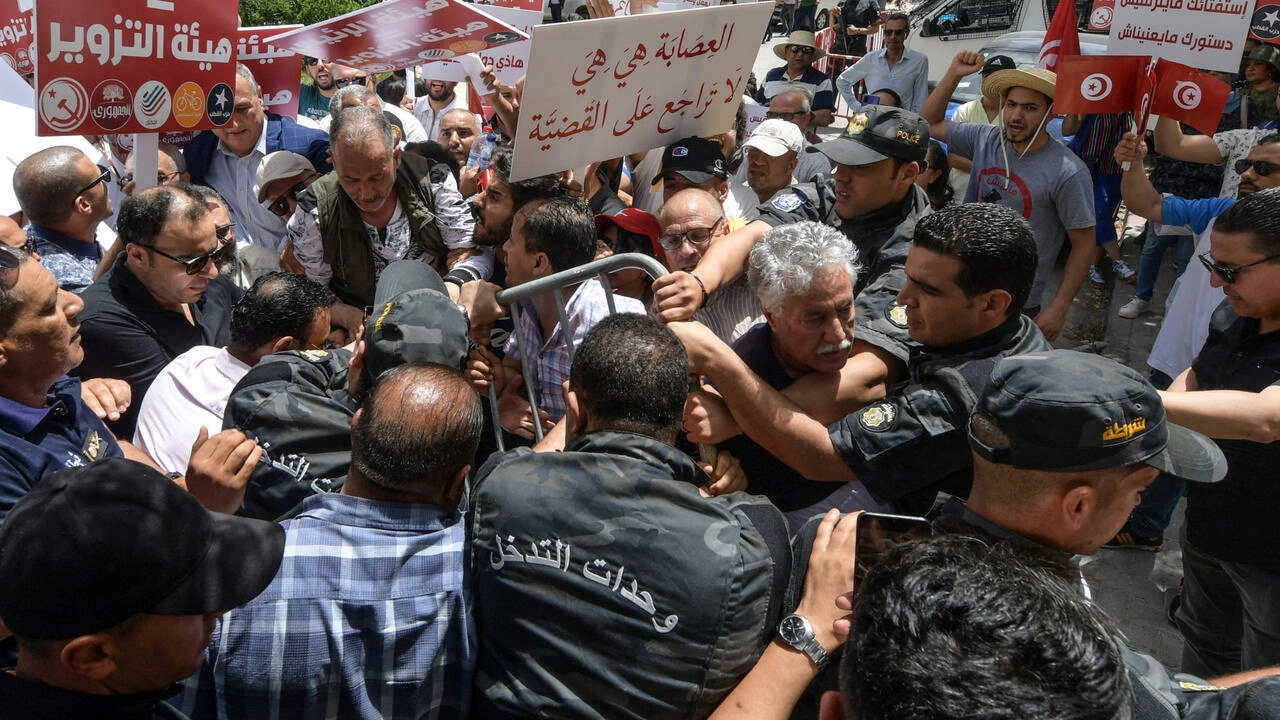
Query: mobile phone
(877,533)
(870,100)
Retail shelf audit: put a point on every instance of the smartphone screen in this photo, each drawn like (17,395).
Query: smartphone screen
(870,100)
(878,533)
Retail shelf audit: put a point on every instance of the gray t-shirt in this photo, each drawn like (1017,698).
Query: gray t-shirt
(1050,187)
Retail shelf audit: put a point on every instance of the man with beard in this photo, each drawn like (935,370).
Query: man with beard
(440,99)
(457,130)
(313,97)
(1021,167)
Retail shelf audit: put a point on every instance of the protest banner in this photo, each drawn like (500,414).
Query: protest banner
(398,34)
(621,85)
(134,66)
(16,40)
(509,61)
(1098,83)
(275,68)
(1200,33)
(1264,24)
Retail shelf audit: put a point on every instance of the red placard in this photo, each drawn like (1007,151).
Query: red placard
(1100,15)
(400,33)
(275,68)
(134,65)
(1089,84)
(1189,96)
(16,41)
(1264,24)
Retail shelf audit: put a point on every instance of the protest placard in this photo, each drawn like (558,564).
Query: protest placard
(621,85)
(16,40)
(1200,33)
(509,61)
(275,68)
(1264,24)
(134,65)
(398,34)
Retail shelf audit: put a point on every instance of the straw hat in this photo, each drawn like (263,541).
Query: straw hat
(995,85)
(800,37)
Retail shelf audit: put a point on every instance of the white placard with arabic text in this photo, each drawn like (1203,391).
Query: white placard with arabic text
(508,60)
(1201,33)
(613,86)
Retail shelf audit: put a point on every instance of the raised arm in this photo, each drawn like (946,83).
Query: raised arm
(935,107)
(1171,143)
(678,295)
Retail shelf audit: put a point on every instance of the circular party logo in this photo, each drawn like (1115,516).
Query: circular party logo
(64,104)
(112,104)
(152,104)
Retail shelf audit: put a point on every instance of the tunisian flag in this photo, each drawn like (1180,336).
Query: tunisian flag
(1062,39)
(1098,84)
(1188,96)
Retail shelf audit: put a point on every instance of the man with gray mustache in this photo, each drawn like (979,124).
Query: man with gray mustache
(968,273)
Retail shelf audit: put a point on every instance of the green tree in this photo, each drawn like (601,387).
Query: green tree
(286,12)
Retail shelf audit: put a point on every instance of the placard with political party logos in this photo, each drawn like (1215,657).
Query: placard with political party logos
(508,61)
(17,43)
(396,34)
(275,68)
(134,66)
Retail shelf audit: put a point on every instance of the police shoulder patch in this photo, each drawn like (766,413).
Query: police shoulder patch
(897,314)
(787,202)
(878,417)
(314,356)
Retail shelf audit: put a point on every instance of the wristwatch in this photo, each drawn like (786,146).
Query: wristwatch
(796,631)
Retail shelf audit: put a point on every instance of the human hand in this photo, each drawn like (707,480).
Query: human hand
(516,415)
(106,397)
(289,261)
(489,79)
(599,9)
(220,468)
(348,318)
(1050,321)
(966,62)
(407,103)
(677,296)
(480,300)
(469,181)
(829,580)
(483,370)
(726,477)
(1131,149)
(707,419)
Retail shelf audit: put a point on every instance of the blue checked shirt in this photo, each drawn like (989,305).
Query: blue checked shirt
(369,616)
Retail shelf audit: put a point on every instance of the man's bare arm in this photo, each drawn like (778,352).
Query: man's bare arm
(827,397)
(1140,196)
(1054,315)
(1171,143)
(677,295)
(935,106)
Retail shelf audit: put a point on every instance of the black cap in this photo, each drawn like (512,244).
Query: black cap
(413,320)
(89,547)
(1068,411)
(697,159)
(996,63)
(877,132)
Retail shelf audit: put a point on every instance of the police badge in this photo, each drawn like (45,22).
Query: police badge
(878,417)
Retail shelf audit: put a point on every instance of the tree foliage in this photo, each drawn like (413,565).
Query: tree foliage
(286,12)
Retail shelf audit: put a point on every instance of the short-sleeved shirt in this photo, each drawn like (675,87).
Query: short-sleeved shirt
(72,262)
(816,82)
(1050,187)
(37,441)
(914,443)
(1235,145)
(311,103)
(858,14)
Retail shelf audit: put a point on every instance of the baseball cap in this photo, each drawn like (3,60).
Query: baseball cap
(89,547)
(1068,411)
(775,137)
(996,63)
(280,165)
(877,132)
(697,159)
(413,320)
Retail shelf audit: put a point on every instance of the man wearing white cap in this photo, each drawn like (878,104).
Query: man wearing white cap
(1018,165)
(774,154)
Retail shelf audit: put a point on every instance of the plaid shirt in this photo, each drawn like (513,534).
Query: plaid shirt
(369,616)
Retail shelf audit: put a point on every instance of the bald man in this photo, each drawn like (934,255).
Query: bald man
(65,197)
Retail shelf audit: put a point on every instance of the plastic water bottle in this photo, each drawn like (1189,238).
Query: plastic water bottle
(482,150)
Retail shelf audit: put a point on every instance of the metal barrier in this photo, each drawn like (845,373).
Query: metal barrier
(512,297)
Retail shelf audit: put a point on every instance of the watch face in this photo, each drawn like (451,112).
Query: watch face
(794,629)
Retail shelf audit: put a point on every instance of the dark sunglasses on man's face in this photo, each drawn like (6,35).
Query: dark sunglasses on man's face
(802,49)
(357,80)
(774,115)
(1228,274)
(895,32)
(106,174)
(222,231)
(195,264)
(1261,167)
(280,205)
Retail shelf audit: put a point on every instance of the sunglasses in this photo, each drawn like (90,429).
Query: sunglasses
(106,173)
(195,264)
(1262,167)
(802,49)
(697,237)
(161,178)
(357,80)
(895,32)
(771,115)
(1228,274)
(9,264)
(223,231)
(280,206)
(311,62)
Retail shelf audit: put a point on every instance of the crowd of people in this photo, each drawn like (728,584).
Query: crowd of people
(279,451)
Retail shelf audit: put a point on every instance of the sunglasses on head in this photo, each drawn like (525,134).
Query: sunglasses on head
(802,49)
(280,206)
(1228,274)
(106,173)
(357,80)
(195,264)
(1261,167)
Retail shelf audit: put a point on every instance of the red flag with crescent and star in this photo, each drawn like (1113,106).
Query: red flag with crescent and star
(1098,84)
(1062,39)
(1189,96)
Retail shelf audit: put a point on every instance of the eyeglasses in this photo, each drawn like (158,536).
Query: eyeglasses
(222,231)
(195,264)
(1228,274)
(161,178)
(895,32)
(697,237)
(1262,167)
(106,173)
(802,49)
(771,115)
(9,264)
(280,206)
(310,61)
(357,80)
